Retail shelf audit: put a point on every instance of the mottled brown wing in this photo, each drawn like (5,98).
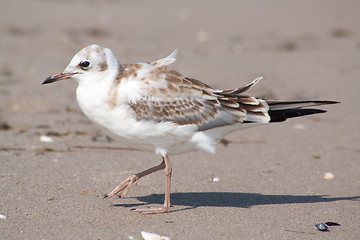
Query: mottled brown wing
(183,101)
(179,111)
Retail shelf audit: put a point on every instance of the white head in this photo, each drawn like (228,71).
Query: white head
(91,62)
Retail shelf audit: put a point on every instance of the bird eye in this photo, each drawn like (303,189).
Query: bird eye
(84,64)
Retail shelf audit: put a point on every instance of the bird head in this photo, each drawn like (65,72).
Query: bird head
(91,63)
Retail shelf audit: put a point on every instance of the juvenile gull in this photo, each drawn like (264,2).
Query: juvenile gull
(155,108)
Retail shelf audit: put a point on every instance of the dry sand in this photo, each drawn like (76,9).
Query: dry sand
(271,179)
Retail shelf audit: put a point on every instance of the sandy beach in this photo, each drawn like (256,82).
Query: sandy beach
(272,182)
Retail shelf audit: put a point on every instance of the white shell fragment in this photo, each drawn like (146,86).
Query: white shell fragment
(153,236)
(214,179)
(328,175)
(2,217)
(47,139)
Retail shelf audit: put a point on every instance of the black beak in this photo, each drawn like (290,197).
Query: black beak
(58,77)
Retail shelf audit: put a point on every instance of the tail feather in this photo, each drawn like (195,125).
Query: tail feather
(279,111)
(289,104)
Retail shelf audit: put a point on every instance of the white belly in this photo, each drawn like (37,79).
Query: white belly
(163,138)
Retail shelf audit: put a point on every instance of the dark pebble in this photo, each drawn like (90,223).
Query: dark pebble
(321,227)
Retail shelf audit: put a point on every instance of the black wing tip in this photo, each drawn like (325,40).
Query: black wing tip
(283,115)
(326,102)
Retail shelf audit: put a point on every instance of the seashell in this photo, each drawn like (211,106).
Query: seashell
(153,236)
(321,227)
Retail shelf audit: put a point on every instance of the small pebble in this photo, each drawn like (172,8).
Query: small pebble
(321,227)
(202,36)
(44,138)
(299,126)
(214,179)
(153,236)
(2,217)
(328,175)
(236,49)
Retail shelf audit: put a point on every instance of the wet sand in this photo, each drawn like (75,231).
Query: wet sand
(271,178)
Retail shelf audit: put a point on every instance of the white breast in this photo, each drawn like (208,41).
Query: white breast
(144,135)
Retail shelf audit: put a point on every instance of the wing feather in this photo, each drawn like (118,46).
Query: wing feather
(168,96)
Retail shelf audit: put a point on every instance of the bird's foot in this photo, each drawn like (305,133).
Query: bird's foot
(123,187)
(148,211)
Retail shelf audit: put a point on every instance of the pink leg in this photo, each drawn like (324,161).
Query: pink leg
(125,186)
(166,206)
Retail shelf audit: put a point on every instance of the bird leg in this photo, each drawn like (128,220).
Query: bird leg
(125,186)
(166,206)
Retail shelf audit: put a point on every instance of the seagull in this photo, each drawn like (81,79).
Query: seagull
(155,108)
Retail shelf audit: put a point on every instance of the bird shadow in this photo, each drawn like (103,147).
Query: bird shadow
(230,199)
